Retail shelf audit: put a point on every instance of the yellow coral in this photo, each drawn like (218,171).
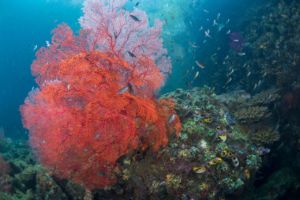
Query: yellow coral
(173,180)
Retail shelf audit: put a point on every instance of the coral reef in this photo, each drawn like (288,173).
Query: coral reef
(257,113)
(271,57)
(266,73)
(213,156)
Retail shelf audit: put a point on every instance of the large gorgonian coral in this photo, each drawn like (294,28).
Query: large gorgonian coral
(94,104)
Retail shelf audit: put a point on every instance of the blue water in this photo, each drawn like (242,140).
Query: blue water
(25,24)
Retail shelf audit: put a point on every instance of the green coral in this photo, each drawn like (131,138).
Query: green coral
(265,136)
(251,114)
(233,184)
(253,161)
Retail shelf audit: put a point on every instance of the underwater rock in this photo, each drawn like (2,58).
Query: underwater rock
(275,187)
(47,188)
(22,178)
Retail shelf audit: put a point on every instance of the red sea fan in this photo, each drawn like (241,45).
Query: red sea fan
(93,106)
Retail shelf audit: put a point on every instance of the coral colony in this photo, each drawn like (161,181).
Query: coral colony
(95,97)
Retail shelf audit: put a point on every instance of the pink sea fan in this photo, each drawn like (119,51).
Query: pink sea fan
(126,34)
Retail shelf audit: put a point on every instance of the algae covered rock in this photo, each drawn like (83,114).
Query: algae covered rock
(213,156)
(47,188)
(24,179)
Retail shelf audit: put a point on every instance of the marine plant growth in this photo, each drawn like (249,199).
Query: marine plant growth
(95,100)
